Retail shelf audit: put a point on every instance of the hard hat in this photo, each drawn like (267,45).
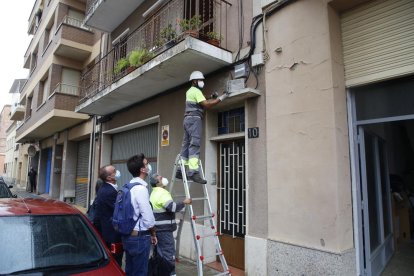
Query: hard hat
(196,75)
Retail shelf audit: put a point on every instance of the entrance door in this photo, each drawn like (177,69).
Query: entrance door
(232,201)
(376,202)
(48,169)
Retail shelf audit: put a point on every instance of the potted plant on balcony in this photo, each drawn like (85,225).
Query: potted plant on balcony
(214,38)
(138,57)
(168,35)
(191,26)
(121,65)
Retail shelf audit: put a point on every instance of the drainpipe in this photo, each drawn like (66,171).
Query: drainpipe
(91,160)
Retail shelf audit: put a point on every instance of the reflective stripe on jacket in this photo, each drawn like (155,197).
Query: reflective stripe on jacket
(164,209)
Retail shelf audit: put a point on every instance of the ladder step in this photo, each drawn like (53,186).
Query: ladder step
(198,198)
(207,235)
(203,217)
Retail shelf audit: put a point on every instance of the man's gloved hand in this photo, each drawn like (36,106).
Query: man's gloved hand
(224,96)
(214,95)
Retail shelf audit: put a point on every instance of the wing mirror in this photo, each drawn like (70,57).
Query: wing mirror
(116,248)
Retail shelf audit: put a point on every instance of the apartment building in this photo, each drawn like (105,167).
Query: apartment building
(16,160)
(299,158)
(58,137)
(4,125)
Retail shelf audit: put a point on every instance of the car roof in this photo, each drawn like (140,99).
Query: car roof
(34,206)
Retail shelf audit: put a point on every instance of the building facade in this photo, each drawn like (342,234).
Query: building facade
(16,167)
(5,123)
(304,158)
(299,149)
(58,137)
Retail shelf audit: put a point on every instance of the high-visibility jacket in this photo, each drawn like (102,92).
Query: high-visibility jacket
(192,102)
(164,209)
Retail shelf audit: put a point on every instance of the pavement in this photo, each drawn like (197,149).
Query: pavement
(184,267)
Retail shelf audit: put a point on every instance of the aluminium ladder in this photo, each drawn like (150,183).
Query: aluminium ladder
(193,218)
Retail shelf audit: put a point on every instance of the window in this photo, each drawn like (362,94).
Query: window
(231,121)
(57,243)
(46,89)
(70,81)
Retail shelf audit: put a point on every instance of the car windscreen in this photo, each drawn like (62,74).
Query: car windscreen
(47,242)
(4,191)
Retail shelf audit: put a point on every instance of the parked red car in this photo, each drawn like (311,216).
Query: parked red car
(49,237)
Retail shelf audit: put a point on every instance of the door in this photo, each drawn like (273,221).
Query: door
(125,144)
(378,240)
(82,173)
(48,169)
(231,192)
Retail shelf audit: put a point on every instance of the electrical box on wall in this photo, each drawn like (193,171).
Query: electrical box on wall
(257,59)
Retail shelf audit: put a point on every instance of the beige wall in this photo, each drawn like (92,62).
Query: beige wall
(307,139)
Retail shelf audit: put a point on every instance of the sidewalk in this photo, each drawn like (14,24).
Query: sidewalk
(185,267)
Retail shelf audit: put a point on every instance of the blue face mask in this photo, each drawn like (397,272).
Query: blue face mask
(117,175)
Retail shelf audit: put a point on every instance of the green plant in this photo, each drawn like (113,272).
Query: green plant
(194,23)
(139,56)
(168,33)
(135,57)
(214,35)
(121,65)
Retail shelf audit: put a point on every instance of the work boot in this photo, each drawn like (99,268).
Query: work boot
(178,175)
(197,178)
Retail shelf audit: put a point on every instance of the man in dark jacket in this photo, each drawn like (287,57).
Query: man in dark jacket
(105,205)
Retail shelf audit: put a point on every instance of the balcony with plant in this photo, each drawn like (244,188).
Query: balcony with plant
(162,32)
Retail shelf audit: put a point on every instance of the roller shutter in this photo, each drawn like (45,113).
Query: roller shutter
(378,41)
(81,188)
(128,143)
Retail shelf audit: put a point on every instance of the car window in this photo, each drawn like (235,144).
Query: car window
(45,241)
(4,191)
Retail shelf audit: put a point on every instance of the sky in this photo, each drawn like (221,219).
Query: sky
(14,23)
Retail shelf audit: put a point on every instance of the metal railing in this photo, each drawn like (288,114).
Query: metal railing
(74,22)
(171,23)
(66,89)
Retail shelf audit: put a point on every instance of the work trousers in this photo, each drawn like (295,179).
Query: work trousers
(137,250)
(166,247)
(190,149)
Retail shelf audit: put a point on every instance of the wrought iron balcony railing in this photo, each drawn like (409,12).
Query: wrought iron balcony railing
(204,19)
(66,89)
(74,22)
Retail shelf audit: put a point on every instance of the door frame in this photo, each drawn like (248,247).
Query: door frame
(353,125)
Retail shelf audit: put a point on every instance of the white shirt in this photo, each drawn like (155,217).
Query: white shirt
(140,202)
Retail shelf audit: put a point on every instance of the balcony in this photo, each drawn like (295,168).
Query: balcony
(73,39)
(106,15)
(17,112)
(163,44)
(54,115)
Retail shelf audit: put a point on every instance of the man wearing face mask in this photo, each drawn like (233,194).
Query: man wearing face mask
(105,205)
(137,244)
(164,211)
(195,104)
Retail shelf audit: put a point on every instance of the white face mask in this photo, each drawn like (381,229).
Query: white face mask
(164,181)
(200,84)
(149,169)
(117,175)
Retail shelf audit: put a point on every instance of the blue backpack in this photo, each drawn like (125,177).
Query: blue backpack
(123,217)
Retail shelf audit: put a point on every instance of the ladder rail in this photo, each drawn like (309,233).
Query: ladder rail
(189,208)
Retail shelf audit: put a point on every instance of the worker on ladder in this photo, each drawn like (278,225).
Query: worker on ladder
(195,103)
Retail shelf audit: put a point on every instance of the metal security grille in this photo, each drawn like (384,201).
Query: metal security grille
(128,143)
(232,189)
(81,187)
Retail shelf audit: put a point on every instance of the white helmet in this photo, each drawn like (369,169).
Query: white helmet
(196,75)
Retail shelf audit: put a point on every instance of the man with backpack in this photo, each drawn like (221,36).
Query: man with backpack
(137,243)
